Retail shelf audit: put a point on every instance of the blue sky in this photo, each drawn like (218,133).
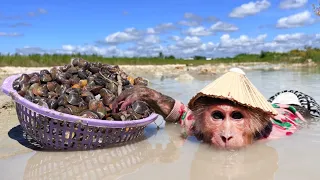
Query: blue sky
(143,28)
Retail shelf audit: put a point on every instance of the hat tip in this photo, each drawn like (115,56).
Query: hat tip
(237,70)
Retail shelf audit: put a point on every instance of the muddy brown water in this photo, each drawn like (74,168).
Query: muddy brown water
(163,155)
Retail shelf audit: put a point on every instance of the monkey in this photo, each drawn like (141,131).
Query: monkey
(224,123)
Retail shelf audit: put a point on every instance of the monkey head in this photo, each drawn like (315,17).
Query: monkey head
(228,125)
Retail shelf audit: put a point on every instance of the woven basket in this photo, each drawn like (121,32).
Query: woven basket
(55,130)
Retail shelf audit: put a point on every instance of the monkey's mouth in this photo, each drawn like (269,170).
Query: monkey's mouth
(228,145)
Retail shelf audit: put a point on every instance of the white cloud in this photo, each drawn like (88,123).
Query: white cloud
(223,27)
(192,19)
(149,40)
(292,4)
(151,31)
(296,20)
(192,16)
(290,37)
(42,11)
(192,45)
(198,31)
(227,42)
(129,35)
(14,34)
(189,42)
(249,9)
(188,23)
(30,50)
(165,27)
(217,27)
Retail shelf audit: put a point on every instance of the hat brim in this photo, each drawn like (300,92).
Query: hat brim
(193,101)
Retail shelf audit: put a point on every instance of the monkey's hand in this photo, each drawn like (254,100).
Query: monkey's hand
(160,103)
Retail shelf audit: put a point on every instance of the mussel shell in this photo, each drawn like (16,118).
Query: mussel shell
(35,79)
(73,90)
(95,89)
(75,110)
(45,77)
(74,80)
(140,107)
(52,103)
(52,85)
(72,70)
(87,96)
(75,61)
(94,69)
(64,110)
(39,90)
(44,71)
(43,103)
(83,64)
(134,115)
(16,85)
(108,99)
(24,87)
(63,100)
(112,87)
(36,99)
(100,81)
(101,111)
(89,114)
(67,75)
(66,67)
(95,104)
(54,72)
(61,78)
(52,94)
(24,78)
(22,93)
(109,118)
(104,92)
(82,74)
(74,99)
(63,88)
(119,116)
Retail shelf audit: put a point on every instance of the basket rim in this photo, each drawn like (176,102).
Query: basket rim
(8,90)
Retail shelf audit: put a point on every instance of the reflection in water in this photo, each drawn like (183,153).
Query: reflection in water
(258,161)
(109,163)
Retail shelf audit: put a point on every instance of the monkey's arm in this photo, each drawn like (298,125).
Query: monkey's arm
(160,103)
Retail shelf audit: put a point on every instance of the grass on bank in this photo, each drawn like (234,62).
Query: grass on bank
(37,60)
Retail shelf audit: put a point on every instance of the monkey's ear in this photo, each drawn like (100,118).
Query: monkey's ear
(264,133)
(197,133)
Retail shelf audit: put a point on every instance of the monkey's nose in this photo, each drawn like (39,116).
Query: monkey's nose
(227,138)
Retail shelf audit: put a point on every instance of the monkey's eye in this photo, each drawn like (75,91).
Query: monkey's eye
(237,115)
(217,115)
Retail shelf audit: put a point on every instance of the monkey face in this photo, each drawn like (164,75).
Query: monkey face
(227,125)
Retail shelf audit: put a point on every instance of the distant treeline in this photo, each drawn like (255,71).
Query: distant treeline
(37,60)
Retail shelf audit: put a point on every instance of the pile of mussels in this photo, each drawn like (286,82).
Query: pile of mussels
(82,88)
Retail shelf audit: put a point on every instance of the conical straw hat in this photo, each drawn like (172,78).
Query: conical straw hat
(235,86)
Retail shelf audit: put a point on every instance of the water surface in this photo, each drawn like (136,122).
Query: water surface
(163,155)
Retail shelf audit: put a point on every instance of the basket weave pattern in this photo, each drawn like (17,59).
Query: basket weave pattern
(55,130)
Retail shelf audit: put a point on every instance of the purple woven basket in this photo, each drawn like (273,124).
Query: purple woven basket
(54,130)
